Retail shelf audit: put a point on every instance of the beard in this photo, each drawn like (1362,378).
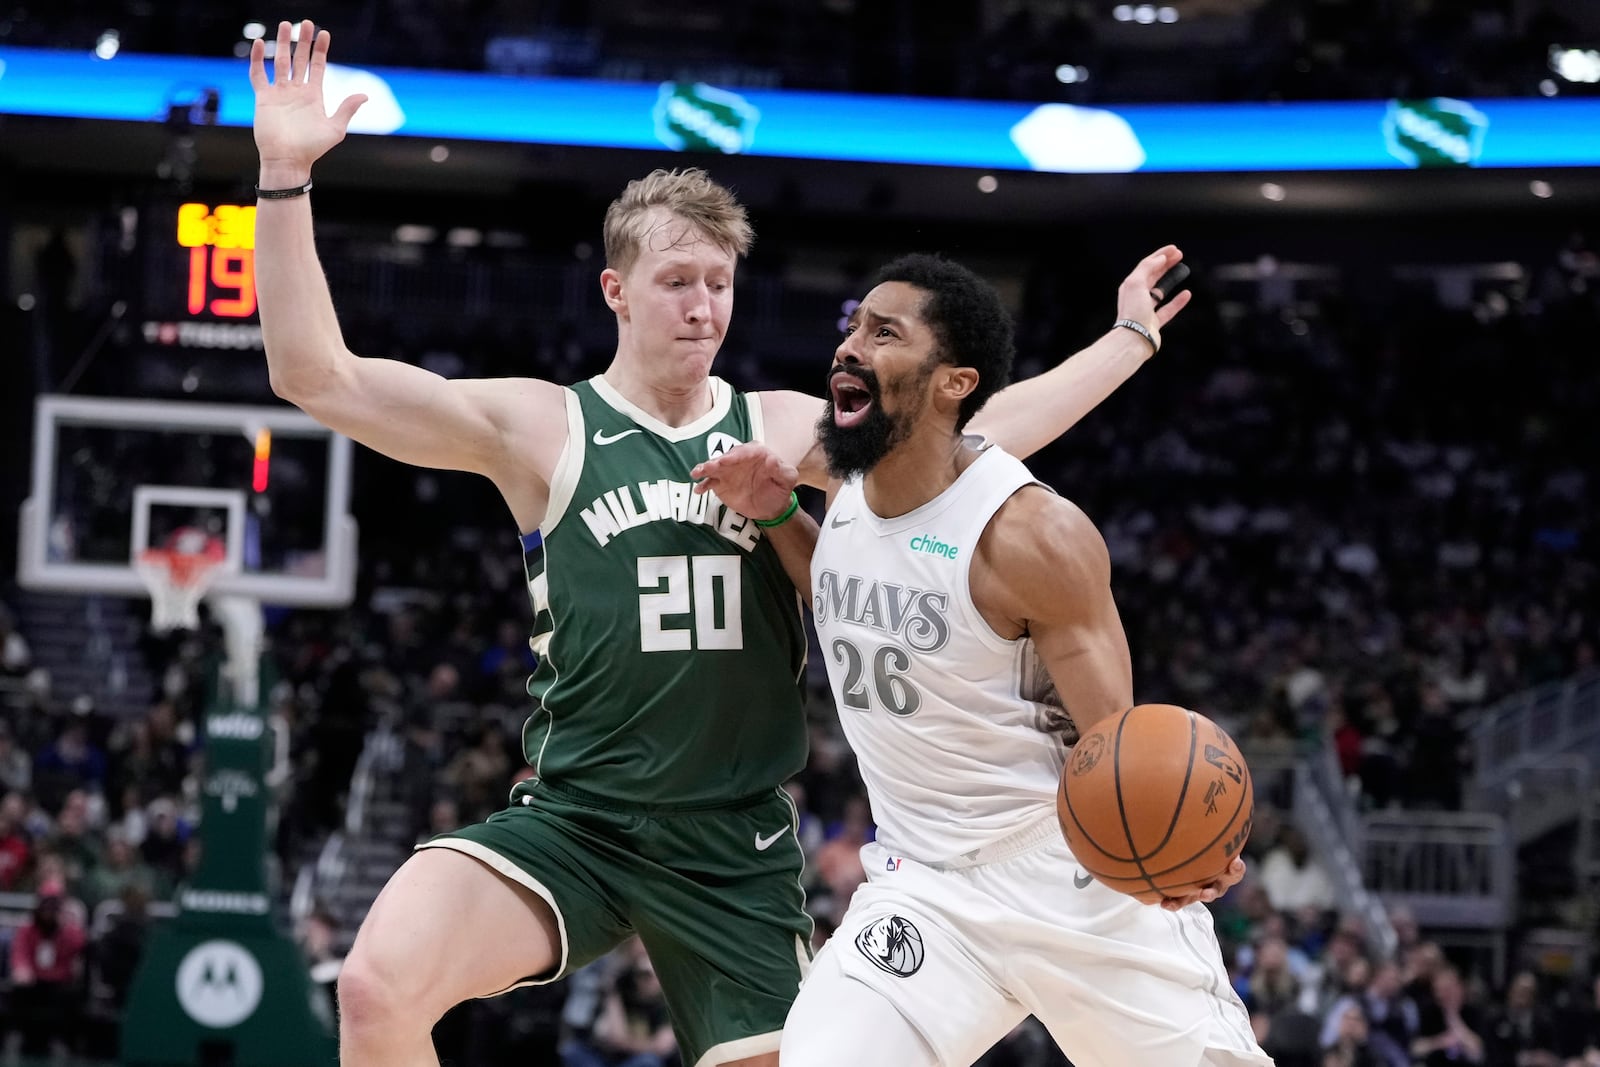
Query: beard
(853,450)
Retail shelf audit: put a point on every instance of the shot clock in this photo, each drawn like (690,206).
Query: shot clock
(221,244)
(197,285)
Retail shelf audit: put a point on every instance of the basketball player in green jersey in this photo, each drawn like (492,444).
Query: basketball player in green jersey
(667,705)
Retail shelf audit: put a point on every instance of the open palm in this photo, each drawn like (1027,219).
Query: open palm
(292,126)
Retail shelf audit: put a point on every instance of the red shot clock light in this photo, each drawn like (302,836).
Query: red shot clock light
(258,474)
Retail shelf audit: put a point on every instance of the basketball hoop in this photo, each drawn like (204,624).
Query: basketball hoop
(178,575)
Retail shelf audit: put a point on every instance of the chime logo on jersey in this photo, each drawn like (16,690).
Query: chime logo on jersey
(219,984)
(932,546)
(893,945)
(915,615)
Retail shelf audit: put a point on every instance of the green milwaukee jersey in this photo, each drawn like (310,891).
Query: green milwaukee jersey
(670,641)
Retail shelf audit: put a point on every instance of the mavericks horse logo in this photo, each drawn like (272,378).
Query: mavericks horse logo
(893,945)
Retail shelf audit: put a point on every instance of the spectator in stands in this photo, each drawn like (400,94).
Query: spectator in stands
(114,958)
(1418,969)
(504,666)
(47,974)
(1347,1044)
(1392,1019)
(1347,742)
(829,777)
(16,768)
(1239,921)
(444,815)
(70,762)
(1269,986)
(1327,980)
(119,868)
(49,873)
(632,1028)
(1450,1029)
(16,659)
(150,755)
(1404,923)
(587,989)
(478,774)
(74,840)
(838,859)
(16,845)
(1353,978)
(163,844)
(1521,1032)
(129,816)
(1437,760)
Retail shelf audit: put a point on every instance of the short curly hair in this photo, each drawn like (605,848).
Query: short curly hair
(971,326)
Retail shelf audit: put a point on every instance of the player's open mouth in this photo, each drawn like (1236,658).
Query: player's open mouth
(851,399)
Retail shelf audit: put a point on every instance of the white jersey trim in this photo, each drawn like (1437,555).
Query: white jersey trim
(721,400)
(510,871)
(758,417)
(569,468)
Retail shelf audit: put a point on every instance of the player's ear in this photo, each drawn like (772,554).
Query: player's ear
(957,383)
(611,288)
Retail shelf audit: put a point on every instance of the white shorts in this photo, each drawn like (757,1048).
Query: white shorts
(965,954)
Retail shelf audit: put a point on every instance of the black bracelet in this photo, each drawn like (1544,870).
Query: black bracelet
(283,194)
(1139,328)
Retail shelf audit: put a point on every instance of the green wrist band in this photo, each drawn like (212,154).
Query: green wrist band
(794,506)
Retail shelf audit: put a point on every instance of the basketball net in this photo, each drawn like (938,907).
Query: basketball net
(178,575)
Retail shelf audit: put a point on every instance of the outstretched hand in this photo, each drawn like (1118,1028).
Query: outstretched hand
(1135,299)
(292,125)
(749,478)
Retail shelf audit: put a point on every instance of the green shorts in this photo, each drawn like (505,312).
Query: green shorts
(714,895)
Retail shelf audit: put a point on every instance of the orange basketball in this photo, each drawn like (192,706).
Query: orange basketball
(1155,801)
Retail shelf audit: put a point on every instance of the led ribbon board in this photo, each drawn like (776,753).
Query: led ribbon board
(1356,135)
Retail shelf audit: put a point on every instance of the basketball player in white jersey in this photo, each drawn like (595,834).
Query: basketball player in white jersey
(961,606)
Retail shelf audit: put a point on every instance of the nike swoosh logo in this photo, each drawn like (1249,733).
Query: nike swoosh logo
(1081,880)
(603,438)
(764,843)
(835,523)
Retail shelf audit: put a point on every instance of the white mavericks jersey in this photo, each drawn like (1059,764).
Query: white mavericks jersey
(949,721)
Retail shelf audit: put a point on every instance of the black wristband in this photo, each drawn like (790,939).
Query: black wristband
(1141,329)
(283,194)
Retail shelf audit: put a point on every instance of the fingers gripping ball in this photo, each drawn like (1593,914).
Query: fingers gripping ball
(1155,801)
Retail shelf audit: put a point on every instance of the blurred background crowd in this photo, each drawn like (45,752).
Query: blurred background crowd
(1348,510)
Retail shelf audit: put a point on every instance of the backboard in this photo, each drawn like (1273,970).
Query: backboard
(112,477)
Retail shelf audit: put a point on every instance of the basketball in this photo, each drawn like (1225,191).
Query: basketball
(1155,801)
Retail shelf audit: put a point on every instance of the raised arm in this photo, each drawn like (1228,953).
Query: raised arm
(756,481)
(1042,569)
(400,410)
(1029,414)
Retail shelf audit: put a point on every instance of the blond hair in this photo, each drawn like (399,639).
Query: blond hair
(690,194)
